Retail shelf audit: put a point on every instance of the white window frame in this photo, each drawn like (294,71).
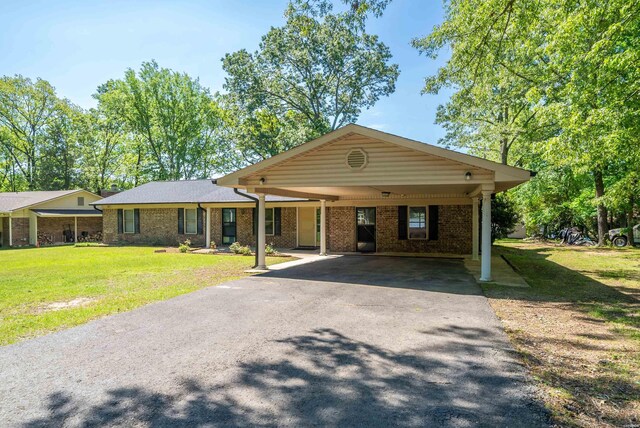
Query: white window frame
(271,222)
(186,229)
(124,221)
(426,223)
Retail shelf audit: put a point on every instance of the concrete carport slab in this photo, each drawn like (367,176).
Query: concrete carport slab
(347,341)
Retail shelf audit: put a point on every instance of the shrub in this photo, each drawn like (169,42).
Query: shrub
(212,245)
(237,248)
(270,250)
(185,246)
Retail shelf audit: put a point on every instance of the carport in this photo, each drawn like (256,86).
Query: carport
(407,195)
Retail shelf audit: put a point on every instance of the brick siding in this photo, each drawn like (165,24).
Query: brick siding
(158,226)
(20,229)
(341,229)
(454,232)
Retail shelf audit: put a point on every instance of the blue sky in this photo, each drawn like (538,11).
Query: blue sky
(78,45)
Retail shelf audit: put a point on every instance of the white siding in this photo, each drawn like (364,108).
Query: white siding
(388,164)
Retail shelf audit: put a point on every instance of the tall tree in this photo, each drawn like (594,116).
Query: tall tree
(321,66)
(171,113)
(575,65)
(26,110)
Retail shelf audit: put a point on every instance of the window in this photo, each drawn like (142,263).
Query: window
(129,221)
(417,222)
(268,221)
(317,224)
(228,226)
(190,221)
(81,201)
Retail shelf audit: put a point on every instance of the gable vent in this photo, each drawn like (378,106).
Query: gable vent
(357,159)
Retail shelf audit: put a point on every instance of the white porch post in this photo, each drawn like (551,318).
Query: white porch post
(323,227)
(10,231)
(485,271)
(75,229)
(475,239)
(262,260)
(208,228)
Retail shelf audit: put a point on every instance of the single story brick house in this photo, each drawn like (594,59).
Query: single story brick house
(352,190)
(384,193)
(47,217)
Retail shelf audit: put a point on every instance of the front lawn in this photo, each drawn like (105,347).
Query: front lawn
(577,328)
(47,289)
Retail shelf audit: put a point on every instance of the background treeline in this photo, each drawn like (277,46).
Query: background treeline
(552,86)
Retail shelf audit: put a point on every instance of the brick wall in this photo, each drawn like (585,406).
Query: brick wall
(341,229)
(454,232)
(20,228)
(54,226)
(244,227)
(158,226)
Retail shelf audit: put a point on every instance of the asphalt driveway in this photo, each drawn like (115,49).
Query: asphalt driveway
(349,341)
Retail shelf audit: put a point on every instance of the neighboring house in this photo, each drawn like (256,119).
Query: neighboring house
(169,212)
(384,193)
(47,217)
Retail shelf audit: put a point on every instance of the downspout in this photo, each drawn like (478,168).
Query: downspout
(206,225)
(96,208)
(253,198)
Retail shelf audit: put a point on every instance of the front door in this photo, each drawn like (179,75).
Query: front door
(306,227)
(366,229)
(229,226)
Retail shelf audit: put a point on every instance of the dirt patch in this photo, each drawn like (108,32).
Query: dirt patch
(586,369)
(57,306)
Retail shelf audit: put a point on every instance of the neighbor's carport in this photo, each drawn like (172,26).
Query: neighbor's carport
(51,224)
(355,165)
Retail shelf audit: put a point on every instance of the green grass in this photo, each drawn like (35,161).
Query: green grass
(605,281)
(107,280)
(577,327)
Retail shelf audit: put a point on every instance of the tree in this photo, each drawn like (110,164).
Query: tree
(320,66)
(106,152)
(571,68)
(26,109)
(172,114)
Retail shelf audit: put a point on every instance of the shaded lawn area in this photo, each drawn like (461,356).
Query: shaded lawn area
(577,328)
(47,289)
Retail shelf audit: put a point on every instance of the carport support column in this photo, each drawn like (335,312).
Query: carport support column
(208,228)
(323,227)
(475,238)
(10,231)
(262,238)
(485,269)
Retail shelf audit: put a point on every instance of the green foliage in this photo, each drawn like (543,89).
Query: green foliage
(238,248)
(551,86)
(504,216)
(173,116)
(185,246)
(314,74)
(270,250)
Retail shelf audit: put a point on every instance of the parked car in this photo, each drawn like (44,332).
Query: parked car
(620,237)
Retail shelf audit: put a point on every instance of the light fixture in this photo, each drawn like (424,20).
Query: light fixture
(262,180)
(386,194)
(467,176)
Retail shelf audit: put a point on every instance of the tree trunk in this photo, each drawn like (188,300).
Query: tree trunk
(630,223)
(504,151)
(602,210)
